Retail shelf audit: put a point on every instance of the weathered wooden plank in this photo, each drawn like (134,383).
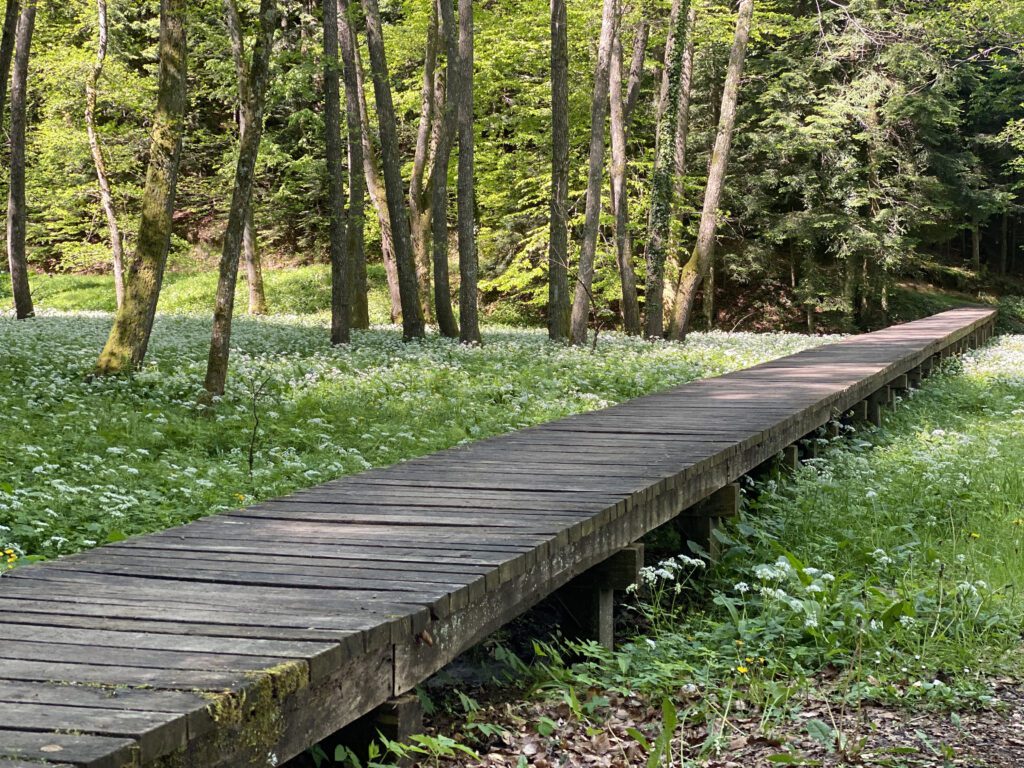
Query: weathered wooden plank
(80,750)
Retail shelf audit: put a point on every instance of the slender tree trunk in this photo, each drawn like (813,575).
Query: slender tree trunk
(446,322)
(16,214)
(620,202)
(253,266)
(558,239)
(358,300)
(1004,235)
(420,199)
(662,182)
(636,68)
(697,266)
(598,113)
(106,198)
(412,317)
(11,13)
(469,321)
(126,347)
(975,245)
(375,187)
(252,98)
(683,123)
(335,176)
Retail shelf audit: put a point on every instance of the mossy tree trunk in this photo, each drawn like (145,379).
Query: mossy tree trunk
(558,238)
(446,322)
(375,183)
(660,216)
(17,258)
(595,170)
(412,316)
(356,215)
(253,265)
(697,266)
(126,346)
(257,73)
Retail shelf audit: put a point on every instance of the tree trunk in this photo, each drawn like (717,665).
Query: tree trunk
(469,322)
(1003,244)
(335,175)
(356,257)
(446,322)
(662,182)
(251,99)
(683,125)
(558,239)
(698,264)
(620,202)
(16,214)
(975,243)
(420,199)
(106,199)
(253,266)
(126,347)
(412,317)
(598,113)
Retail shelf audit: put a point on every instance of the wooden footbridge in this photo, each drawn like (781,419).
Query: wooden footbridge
(243,638)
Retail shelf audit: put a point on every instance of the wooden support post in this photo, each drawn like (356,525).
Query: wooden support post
(859,411)
(874,406)
(914,376)
(900,383)
(590,597)
(834,428)
(791,457)
(698,523)
(397,719)
(809,446)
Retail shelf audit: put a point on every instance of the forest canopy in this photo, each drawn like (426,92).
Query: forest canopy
(875,142)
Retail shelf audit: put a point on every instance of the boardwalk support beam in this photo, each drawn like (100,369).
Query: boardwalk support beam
(698,523)
(590,597)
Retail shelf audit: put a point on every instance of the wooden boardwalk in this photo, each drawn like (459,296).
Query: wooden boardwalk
(243,638)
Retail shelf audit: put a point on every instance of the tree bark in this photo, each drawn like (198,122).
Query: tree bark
(683,124)
(469,321)
(335,174)
(16,214)
(375,187)
(126,347)
(420,199)
(358,301)
(598,113)
(558,239)
(446,322)
(620,201)
(412,317)
(252,98)
(660,217)
(106,198)
(699,262)
(1003,241)
(253,266)
(975,241)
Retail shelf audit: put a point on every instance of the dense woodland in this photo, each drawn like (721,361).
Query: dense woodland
(646,165)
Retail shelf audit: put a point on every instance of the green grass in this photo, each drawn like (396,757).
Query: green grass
(292,291)
(889,570)
(85,460)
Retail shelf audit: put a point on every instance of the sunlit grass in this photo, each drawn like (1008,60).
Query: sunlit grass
(82,459)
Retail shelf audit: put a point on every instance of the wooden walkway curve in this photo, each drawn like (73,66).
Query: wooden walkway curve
(243,638)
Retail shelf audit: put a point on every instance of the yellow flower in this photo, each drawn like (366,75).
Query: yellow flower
(742,670)
(739,642)
(8,551)
(975,535)
(240,497)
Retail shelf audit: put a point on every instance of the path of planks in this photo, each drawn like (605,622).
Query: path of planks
(243,638)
